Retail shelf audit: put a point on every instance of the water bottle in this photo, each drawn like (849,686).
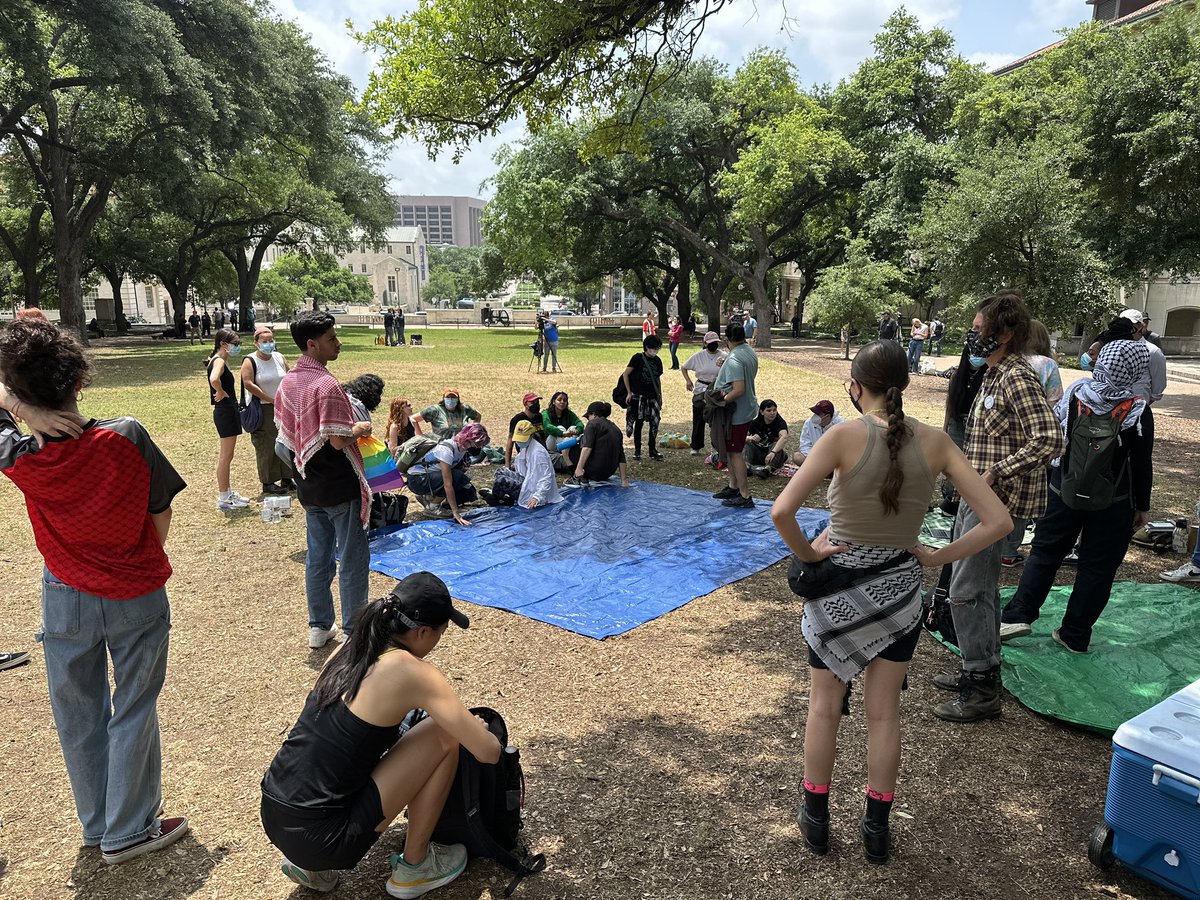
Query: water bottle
(1179,537)
(512,773)
(266,510)
(276,512)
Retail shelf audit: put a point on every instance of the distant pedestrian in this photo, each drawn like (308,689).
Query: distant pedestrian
(796,323)
(193,326)
(550,344)
(398,326)
(916,343)
(648,326)
(889,328)
(389,322)
(205,325)
(233,319)
(674,336)
(937,329)
(750,326)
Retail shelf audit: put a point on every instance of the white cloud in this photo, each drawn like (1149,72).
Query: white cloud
(992,61)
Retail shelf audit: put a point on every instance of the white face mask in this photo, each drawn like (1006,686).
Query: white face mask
(652,353)
(451,402)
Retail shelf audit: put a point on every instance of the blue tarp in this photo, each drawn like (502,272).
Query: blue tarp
(602,562)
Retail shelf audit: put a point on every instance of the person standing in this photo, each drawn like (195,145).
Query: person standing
(916,343)
(735,384)
(703,364)
(643,386)
(883,467)
(674,336)
(205,325)
(1103,534)
(193,326)
(750,325)
(103,583)
(937,329)
(398,326)
(261,373)
(1012,434)
(550,346)
(648,326)
(227,417)
(389,321)
(796,322)
(317,425)
(889,328)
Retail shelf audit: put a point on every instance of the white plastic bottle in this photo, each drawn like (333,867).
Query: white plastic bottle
(1179,537)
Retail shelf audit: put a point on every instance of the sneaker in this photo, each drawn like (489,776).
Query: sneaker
(575,482)
(1058,639)
(441,865)
(12,660)
(224,504)
(726,493)
(637,457)
(1010,630)
(1072,558)
(323,881)
(165,833)
(1011,562)
(1186,572)
(232,500)
(319,637)
(693,452)
(739,502)
(657,457)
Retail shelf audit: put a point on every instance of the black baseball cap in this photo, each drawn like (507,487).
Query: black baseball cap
(425,601)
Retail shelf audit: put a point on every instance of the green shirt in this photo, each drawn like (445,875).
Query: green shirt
(740,365)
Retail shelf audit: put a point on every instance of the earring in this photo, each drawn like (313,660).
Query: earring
(78,396)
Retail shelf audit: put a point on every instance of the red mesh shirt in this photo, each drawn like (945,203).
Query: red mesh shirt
(90,500)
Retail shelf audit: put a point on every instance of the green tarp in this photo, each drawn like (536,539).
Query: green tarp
(1145,647)
(936,529)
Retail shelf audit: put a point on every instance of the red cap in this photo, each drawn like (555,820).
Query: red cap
(530,397)
(824,408)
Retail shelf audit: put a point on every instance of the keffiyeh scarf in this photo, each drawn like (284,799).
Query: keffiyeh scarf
(1119,366)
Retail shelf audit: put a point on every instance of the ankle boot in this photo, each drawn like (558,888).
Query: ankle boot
(813,820)
(978,698)
(874,830)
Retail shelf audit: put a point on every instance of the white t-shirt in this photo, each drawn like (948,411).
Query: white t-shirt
(704,367)
(445,452)
(812,431)
(268,373)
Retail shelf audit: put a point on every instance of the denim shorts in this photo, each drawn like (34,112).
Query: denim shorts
(325,839)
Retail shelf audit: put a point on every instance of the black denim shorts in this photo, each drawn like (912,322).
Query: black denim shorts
(900,650)
(325,839)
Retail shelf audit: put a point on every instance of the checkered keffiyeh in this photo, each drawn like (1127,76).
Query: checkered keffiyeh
(850,628)
(1119,367)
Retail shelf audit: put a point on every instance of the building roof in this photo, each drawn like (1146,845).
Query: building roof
(403,234)
(1146,12)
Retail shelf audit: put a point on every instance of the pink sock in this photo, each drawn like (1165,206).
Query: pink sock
(815,788)
(876,795)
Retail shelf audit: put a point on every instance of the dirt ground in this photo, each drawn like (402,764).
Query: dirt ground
(663,763)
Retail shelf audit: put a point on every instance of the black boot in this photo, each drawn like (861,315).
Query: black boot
(874,830)
(978,698)
(813,820)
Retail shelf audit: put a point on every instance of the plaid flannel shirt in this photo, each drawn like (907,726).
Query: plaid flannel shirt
(1013,431)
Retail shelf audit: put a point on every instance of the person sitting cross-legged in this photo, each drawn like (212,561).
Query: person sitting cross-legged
(765,441)
(533,464)
(348,768)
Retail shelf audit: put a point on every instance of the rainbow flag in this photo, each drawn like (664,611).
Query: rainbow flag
(381,468)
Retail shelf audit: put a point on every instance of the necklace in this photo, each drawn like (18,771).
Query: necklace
(875,412)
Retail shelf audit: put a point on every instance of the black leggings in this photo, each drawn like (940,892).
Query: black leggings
(637,437)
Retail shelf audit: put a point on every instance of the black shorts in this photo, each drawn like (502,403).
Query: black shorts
(325,839)
(899,650)
(228,419)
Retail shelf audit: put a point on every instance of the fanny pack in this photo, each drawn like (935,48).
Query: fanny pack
(815,580)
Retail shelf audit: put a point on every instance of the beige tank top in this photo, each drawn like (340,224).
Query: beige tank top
(855,509)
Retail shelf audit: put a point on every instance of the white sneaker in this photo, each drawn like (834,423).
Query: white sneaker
(323,881)
(1010,630)
(1186,572)
(238,499)
(441,865)
(319,637)
(693,452)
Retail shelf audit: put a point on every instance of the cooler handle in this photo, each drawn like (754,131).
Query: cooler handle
(1161,771)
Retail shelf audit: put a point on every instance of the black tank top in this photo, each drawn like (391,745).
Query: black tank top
(226,384)
(327,759)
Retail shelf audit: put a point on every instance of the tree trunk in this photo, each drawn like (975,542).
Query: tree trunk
(116,278)
(68,268)
(178,293)
(683,293)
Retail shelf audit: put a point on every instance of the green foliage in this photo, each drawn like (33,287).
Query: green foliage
(279,295)
(857,290)
(456,272)
(321,278)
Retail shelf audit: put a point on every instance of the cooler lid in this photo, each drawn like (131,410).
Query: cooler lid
(1168,733)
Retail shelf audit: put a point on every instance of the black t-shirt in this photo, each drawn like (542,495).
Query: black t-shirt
(644,379)
(608,448)
(887,329)
(329,479)
(226,384)
(539,432)
(769,433)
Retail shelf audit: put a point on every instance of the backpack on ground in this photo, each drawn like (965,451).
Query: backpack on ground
(414,450)
(387,508)
(483,811)
(1089,482)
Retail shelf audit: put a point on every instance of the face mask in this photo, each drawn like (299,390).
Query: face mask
(535,408)
(652,353)
(1085,362)
(982,347)
(855,402)
(451,402)
(977,361)
(235,349)
(711,348)
(267,347)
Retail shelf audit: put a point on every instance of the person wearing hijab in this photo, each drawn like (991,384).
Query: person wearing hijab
(1103,535)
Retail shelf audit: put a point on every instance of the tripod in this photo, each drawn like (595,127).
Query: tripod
(538,347)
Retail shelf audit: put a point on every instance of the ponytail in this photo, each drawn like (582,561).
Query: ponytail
(897,433)
(373,634)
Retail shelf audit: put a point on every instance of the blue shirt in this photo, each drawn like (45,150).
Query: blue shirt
(551,331)
(740,365)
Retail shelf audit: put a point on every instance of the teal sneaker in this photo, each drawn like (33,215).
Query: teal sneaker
(441,865)
(323,881)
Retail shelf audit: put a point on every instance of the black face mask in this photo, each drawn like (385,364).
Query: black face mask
(535,409)
(981,347)
(854,402)
(711,348)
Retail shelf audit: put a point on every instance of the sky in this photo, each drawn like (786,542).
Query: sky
(826,39)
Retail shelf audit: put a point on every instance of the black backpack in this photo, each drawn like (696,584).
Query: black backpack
(620,396)
(483,811)
(1089,481)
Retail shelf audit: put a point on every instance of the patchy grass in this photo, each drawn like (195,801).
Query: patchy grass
(662,763)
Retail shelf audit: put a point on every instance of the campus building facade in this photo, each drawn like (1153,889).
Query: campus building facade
(445,221)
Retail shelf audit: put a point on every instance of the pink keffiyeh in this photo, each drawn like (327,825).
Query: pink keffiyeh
(310,408)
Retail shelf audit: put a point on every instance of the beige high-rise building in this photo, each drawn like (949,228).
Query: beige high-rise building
(455,221)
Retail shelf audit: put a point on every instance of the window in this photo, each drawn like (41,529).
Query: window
(364,268)
(350,267)
(392,284)
(408,249)
(389,249)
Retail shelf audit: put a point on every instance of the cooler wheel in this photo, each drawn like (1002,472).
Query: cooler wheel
(1100,847)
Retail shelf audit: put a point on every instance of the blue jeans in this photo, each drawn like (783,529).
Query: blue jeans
(336,533)
(975,599)
(110,742)
(915,347)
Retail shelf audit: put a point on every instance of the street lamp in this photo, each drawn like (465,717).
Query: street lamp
(416,280)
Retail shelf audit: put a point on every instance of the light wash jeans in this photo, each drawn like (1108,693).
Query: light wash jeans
(110,742)
(336,533)
(915,346)
(975,598)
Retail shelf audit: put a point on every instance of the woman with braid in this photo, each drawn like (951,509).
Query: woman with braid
(348,769)
(884,466)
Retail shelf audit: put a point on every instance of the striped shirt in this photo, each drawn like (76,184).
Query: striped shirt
(1013,431)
